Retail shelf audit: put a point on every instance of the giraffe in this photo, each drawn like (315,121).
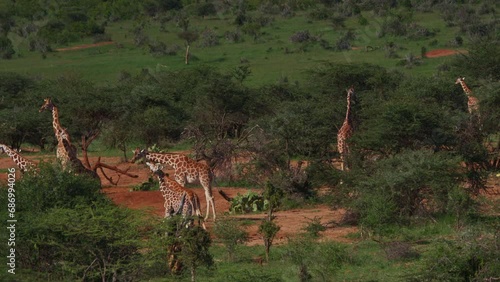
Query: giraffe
(345,132)
(472,101)
(66,152)
(177,198)
(186,170)
(24,164)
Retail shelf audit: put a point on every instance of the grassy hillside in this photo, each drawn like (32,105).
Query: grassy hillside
(272,56)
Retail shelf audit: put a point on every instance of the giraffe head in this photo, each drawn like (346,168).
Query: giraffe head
(156,169)
(460,80)
(139,154)
(47,105)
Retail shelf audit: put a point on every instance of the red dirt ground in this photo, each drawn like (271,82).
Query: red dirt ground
(85,46)
(291,221)
(443,52)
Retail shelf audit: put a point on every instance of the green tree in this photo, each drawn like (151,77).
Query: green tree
(482,61)
(269,229)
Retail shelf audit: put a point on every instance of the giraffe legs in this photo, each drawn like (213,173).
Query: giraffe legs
(210,201)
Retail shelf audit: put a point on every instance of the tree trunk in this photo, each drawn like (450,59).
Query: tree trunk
(193,273)
(187,55)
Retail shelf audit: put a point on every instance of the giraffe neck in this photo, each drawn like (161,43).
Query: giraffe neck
(166,184)
(465,88)
(59,131)
(348,111)
(162,158)
(18,159)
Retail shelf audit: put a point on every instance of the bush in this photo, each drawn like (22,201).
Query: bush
(230,234)
(314,227)
(6,49)
(248,202)
(301,36)
(52,187)
(396,188)
(318,261)
(475,256)
(208,38)
(83,243)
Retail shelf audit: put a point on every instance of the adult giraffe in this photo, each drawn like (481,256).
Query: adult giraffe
(345,132)
(65,152)
(186,170)
(472,101)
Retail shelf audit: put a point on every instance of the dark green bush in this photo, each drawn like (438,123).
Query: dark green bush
(407,185)
(474,256)
(52,187)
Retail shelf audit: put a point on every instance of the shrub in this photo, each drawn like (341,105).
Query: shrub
(233,36)
(314,227)
(208,38)
(82,243)
(318,261)
(475,256)
(6,49)
(396,188)
(248,202)
(157,48)
(230,234)
(302,36)
(149,185)
(206,9)
(400,251)
(52,187)
(268,229)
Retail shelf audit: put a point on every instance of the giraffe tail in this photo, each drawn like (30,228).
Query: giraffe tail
(214,181)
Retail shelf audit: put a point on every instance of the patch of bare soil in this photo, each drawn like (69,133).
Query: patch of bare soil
(444,52)
(84,46)
(291,221)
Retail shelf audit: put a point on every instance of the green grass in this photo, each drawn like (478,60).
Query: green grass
(267,57)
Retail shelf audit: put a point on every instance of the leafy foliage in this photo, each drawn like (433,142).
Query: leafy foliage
(52,187)
(230,234)
(248,202)
(67,229)
(315,260)
(395,189)
(472,256)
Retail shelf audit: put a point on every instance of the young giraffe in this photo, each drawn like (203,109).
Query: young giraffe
(66,152)
(177,198)
(23,163)
(186,170)
(345,132)
(472,102)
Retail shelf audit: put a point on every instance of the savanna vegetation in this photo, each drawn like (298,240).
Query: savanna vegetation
(263,81)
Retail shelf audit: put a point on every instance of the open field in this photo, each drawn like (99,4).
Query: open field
(271,57)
